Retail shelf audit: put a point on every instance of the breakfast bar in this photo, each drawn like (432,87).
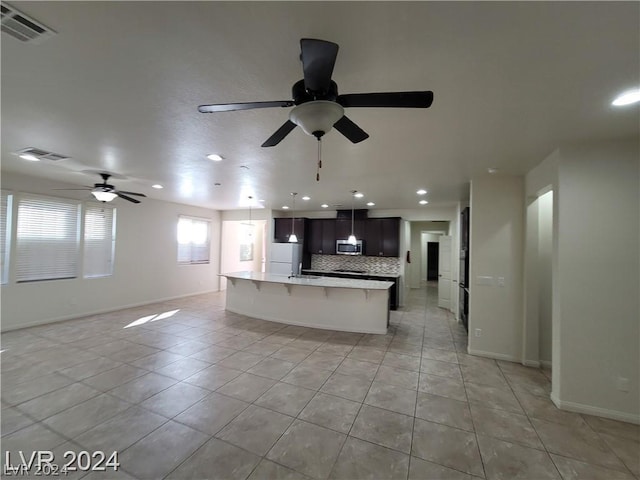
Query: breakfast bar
(343,304)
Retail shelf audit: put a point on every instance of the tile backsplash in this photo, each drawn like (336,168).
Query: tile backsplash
(383,265)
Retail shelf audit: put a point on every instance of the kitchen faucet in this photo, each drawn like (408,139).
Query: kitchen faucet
(294,275)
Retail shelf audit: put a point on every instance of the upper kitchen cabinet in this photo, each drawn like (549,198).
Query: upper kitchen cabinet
(343,223)
(322,236)
(382,237)
(343,228)
(282,229)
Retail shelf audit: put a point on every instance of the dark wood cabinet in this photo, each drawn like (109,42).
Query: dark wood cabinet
(394,291)
(382,237)
(322,236)
(464,268)
(282,229)
(464,228)
(343,228)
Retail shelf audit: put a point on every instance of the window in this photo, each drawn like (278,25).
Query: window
(5,235)
(99,240)
(193,240)
(47,239)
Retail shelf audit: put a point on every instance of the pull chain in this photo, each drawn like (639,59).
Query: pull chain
(319,160)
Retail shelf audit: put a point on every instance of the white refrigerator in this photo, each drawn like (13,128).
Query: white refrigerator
(286,258)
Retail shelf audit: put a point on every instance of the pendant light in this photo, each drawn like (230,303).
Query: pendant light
(247,233)
(250,234)
(352,238)
(293,238)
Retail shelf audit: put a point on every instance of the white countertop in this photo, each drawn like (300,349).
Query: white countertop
(311,281)
(365,274)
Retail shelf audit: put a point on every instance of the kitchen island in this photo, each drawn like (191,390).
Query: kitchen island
(349,305)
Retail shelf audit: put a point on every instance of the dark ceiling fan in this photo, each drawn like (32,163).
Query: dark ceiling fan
(317,105)
(104,192)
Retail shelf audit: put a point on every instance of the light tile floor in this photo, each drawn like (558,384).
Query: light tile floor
(183,389)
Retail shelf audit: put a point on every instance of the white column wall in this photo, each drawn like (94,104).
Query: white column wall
(497,241)
(544,272)
(597,314)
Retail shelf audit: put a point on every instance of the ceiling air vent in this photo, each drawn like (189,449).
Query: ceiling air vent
(22,27)
(41,154)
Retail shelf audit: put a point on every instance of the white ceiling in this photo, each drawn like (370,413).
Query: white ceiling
(117,89)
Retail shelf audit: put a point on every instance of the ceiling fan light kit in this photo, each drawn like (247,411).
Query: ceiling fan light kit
(103,192)
(102,195)
(316,118)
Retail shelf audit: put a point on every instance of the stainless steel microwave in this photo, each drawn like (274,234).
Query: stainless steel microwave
(343,247)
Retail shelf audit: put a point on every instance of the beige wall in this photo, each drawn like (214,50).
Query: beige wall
(145,267)
(233,234)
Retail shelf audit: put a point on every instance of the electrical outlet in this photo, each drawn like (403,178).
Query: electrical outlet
(478,332)
(501,281)
(623,384)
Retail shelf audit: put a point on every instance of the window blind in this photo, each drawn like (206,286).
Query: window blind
(193,240)
(99,240)
(47,239)
(5,205)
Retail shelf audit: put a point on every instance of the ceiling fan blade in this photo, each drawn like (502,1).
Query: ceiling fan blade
(350,130)
(131,193)
(318,59)
(121,195)
(390,100)
(282,132)
(229,107)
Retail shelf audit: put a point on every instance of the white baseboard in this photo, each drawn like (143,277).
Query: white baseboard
(74,316)
(531,363)
(546,364)
(596,411)
(495,356)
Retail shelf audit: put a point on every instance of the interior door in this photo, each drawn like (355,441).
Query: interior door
(444,272)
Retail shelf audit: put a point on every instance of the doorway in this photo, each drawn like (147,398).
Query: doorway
(433,257)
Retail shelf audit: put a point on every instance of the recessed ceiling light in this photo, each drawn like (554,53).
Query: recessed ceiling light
(158,186)
(423,202)
(627,98)
(31,158)
(358,195)
(306,197)
(284,207)
(324,205)
(422,191)
(215,157)
(492,170)
(370,204)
